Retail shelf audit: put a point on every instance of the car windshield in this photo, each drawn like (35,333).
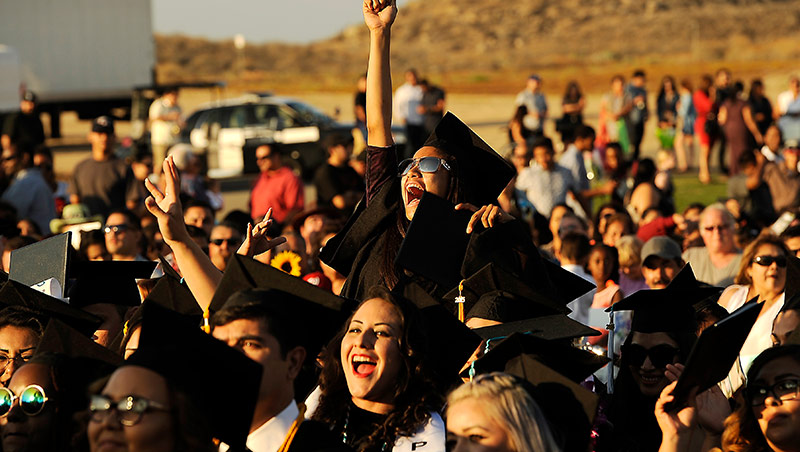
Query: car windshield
(310,114)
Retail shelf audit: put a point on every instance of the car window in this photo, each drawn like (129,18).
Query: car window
(266,115)
(238,116)
(309,115)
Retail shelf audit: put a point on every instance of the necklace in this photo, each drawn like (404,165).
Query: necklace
(344,430)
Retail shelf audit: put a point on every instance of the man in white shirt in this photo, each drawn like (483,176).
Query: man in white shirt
(165,124)
(787,97)
(407,99)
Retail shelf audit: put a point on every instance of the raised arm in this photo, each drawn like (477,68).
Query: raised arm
(379,16)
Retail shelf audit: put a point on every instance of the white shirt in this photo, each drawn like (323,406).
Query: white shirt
(270,436)
(431,437)
(784,100)
(406,100)
(162,132)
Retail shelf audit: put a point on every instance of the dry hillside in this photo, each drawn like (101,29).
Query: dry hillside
(471,44)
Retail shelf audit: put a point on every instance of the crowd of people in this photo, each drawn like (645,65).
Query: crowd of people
(436,296)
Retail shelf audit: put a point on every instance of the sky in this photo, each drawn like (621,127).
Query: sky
(295,21)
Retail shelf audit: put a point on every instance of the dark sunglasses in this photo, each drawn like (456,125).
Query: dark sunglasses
(219,242)
(766,261)
(784,390)
(660,355)
(116,228)
(425,165)
(31,400)
(129,409)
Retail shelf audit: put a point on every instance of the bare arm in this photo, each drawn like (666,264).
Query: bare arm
(747,115)
(379,16)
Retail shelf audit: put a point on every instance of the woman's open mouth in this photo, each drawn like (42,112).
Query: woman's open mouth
(650,379)
(414,192)
(363,366)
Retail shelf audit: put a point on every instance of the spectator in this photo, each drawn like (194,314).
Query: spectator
(12,244)
(360,106)
(432,106)
(24,125)
(637,111)
(123,236)
(760,107)
(407,99)
(532,98)
(667,110)
(788,110)
(141,168)
(615,169)
(338,185)
(786,322)
(28,192)
(43,159)
(705,126)
(791,238)
(629,249)
(518,134)
(223,243)
(572,158)
(101,181)
(199,214)
(722,92)
(661,261)
(546,183)
(572,106)
(617,225)
(781,178)
(738,126)
(614,107)
(717,262)
(603,265)
(276,188)
(773,142)
(93,246)
(687,116)
(165,124)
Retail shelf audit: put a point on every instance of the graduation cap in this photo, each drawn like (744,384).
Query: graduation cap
(194,361)
(112,282)
(550,327)
(482,173)
(450,342)
(168,270)
(41,261)
(715,352)
(667,309)
(436,256)
(14,293)
(566,286)
(792,287)
(495,294)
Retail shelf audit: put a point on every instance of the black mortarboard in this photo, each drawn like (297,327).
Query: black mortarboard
(450,342)
(41,261)
(715,352)
(550,327)
(792,287)
(194,361)
(482,173)
(64,340)
(436,256)
(495,294)
(573,363)
(112,282)
(166,267)
(566,286)
(669,309)
(14,293)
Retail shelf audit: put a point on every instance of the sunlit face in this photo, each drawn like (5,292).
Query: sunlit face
(415,182)
(199,216)
(97,252)
(771,278)
(651,379)
(600,265)
(772,138)
(133,342)
(370,352)
(125,241)
(556,215)
(267,159)
(142,169)
(470,429)
(23,433)
(153,433)
(16,346)
(717,234)
(544,157)
(223,244)
(784,325)
(613,232)
(612,158)
(779,420)
(790,158)
(112,322)
(793,243)
(11,161)
(658,272)
(102,143)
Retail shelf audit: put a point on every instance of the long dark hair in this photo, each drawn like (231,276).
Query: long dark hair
(573,93)
(414,394)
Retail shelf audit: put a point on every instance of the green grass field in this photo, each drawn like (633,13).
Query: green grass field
(688,189)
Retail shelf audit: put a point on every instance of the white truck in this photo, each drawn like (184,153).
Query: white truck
(78,55)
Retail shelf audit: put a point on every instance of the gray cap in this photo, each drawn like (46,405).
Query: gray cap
(661,246)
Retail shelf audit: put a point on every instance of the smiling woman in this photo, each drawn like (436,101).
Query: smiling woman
(375,369)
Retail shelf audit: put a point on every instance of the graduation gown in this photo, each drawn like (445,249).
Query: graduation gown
(314,436)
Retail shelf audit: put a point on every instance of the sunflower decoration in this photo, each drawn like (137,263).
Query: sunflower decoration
(288,262)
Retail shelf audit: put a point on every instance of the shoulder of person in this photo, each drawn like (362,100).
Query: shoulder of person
(430,437)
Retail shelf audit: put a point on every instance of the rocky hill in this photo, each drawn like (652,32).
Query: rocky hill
(490,36)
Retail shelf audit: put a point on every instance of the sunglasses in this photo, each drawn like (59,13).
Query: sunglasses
(31,400)
(129,409)
(219,242)
(660,355)
(116,228)
(425,165)
(766,261)
(784,390)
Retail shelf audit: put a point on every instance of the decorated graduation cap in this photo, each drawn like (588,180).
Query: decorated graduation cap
(450,342)
(14,293)
(112,282)
(668,309)
(495,294)
(194,361)
(550,327)
(482,173)
(41,261)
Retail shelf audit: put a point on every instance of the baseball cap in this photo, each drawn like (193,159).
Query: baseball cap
(535,77)
(29,96)
(103,124)
(661,246)
(791,144)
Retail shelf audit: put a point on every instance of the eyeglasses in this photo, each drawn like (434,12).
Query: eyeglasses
(719,227)
(425,165)
(783,390)
(116,228)
(660,355)
(219,242)
(766,261)
(5,360)
(129,409)
(31,400)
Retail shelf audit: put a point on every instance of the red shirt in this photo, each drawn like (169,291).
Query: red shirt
(280,189)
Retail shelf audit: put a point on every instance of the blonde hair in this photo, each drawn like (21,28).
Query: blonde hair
(629,248)
(511,406)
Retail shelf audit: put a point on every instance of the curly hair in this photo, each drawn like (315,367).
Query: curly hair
(511,406)
(414,396)
(742,432)
(749,254)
